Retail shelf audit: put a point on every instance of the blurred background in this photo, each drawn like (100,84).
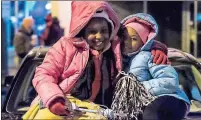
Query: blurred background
(179,23)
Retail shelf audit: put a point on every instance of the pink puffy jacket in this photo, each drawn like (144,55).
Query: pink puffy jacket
(66,60)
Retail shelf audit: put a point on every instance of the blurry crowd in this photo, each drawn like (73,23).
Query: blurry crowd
(25,38)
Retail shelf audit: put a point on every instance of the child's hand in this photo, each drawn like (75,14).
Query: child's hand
(58,107)
(159,56)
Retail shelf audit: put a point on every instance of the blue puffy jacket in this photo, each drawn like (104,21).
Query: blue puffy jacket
(160,80)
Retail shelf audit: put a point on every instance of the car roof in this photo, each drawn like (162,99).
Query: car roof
(173,55)
(180,56)
(38,52)
(176,53)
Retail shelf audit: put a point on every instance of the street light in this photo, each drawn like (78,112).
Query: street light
(48,6)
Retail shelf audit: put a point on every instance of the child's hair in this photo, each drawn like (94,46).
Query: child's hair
(81,33)
(120,32)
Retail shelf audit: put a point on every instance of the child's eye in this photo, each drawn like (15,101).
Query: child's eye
(134,39)
(92,32)
(104,31)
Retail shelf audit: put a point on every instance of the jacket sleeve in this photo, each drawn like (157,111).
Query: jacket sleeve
(165,79)
(46,76)
(19,44)
(158,45)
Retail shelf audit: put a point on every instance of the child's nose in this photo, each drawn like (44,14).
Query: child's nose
(98,36)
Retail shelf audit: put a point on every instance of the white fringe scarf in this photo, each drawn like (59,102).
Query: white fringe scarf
(130,97)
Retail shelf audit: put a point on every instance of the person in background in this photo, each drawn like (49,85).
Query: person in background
(24,39)
(52,32)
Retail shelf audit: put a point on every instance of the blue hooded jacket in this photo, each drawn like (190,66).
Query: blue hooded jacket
(159,80)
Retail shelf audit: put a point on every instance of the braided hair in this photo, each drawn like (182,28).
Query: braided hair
(130,97)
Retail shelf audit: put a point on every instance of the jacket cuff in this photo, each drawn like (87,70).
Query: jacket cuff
(159,46)
(147,85)
(48,92)
(49,101)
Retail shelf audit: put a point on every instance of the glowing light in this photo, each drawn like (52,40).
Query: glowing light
(13,19)
(48,6)
(20,15)
(41,27)
(199,17)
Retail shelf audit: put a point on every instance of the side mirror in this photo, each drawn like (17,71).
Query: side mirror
(8,80)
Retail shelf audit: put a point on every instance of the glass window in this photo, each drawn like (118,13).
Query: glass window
(189,82)
(195,25)
(199,30)
(23,92)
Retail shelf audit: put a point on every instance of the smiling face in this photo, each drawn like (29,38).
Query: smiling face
(97,33)
(131,41)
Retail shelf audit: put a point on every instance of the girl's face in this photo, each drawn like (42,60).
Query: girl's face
(131,41)
(97,33)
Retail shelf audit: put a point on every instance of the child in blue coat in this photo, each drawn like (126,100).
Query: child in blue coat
(161,81)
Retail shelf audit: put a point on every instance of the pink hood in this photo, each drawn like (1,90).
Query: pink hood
(147,20)
(84,10)
(82,15)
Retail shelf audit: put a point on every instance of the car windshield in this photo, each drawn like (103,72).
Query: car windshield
(190,82)
(23,92)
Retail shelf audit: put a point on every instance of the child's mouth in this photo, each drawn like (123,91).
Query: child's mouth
(98,43)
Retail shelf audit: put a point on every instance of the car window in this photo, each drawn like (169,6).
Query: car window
(189,81)
(23,92)
(197,75)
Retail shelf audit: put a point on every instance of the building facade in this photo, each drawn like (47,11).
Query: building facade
(179,25)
